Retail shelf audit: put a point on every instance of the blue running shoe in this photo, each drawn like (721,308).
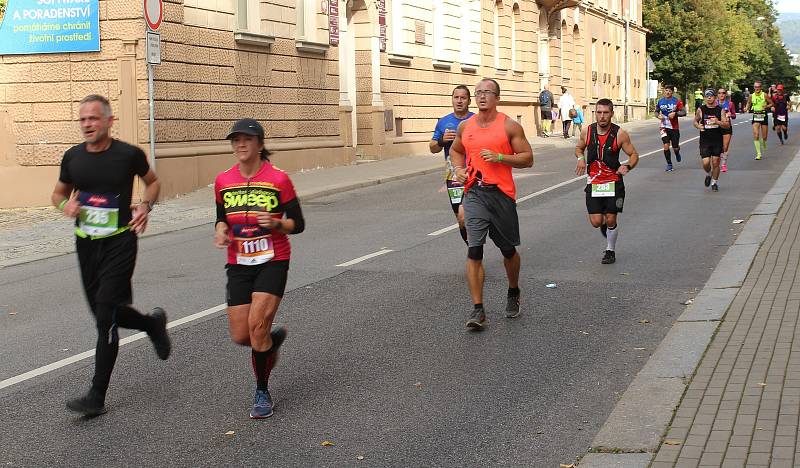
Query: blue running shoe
(668,168)
(678,157)
(262,405)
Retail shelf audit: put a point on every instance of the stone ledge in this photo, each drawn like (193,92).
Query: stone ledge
(311,47)
(254,39)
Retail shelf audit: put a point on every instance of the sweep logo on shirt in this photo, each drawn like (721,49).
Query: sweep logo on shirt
(250,199)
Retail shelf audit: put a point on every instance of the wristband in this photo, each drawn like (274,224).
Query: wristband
(499,157)
(582,157)
(62,204)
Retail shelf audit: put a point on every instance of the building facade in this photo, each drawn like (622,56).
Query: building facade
(333,81)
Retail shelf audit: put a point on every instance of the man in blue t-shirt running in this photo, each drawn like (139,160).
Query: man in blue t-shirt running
(668,109)
(443,137)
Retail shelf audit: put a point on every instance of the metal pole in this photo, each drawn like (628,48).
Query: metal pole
(152,116)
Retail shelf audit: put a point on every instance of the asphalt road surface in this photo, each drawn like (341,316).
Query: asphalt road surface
(378,360)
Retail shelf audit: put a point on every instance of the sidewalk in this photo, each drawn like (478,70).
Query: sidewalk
(24,231)
(742,407)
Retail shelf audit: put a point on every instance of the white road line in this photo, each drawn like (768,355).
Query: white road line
(87,354)
(551,188)
(365,257)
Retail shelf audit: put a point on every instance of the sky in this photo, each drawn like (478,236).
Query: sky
(789,6)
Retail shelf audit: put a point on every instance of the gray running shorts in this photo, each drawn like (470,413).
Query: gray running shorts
(490,211)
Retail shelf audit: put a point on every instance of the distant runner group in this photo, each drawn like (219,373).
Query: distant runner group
(257,209)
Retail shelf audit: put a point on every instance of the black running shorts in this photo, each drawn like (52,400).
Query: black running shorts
(784,122)
(672,136)
(710,148)
(603,205)
(244,280)
(727,131)
(492,212)
(764,122)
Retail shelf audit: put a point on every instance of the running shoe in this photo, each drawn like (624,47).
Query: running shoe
(262,405)
(668,168)
(159,335)
(88,405)
(724,167)
(678,157)
(477,319)
(715,188)
(512,306)
(604,229)
(758,157)
(707,182)
(609,257)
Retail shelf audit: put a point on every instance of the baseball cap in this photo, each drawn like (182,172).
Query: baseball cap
(248,127)
(709,92)
(780,86)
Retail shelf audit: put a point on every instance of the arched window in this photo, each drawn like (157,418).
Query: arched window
(515,23)
(498,7)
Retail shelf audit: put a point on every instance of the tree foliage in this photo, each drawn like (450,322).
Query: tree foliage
(700,43)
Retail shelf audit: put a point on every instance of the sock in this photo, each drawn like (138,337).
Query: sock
(780,137)
(259,359)
(677,153)
(513,291)
(785,135)
(479,306)
(764,143)
(667,156)
(612,237)
(463,232)
(724,157)
(758,148)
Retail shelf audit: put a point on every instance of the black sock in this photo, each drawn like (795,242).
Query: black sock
(785,135)
(479,306)
(668,156)
(513,291)
(780,137)
(677,153)
(463,232)
(260,368)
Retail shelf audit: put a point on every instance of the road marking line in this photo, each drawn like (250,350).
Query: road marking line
(551,188)
(87,354)
(365,257)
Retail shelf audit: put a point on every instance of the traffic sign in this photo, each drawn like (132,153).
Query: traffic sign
(153,48)
(153,13)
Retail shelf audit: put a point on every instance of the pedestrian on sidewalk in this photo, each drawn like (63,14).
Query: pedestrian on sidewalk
(577,121)
(605,190)
(95,187)
(257,208)
(443,136)
(553,119)
(566,106)
(546,106)
(485,150)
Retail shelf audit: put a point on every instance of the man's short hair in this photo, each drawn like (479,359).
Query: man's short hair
(102,100)
(606,102)
(563,89)
(496,84)
(464,87)
(669,87)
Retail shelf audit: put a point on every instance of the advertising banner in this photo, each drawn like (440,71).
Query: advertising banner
(49,27)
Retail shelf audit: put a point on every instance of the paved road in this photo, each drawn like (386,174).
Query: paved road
(378,361)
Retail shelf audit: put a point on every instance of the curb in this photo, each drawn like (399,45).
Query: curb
(635,426)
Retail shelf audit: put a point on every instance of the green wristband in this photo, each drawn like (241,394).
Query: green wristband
(499,157)
(581,157)
(62,204)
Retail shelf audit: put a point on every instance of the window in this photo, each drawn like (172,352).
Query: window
(306,24)
(471,33)
(498,6)
(515,65)
(438,30)
(633,12)
(397,24)
(248,17)
(544,46)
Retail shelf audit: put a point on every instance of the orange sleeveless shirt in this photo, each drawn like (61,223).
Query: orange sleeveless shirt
(494,138)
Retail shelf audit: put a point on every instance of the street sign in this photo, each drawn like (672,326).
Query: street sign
(153,13)
(153,48)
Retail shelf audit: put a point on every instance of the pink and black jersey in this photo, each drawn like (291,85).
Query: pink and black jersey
(241,199)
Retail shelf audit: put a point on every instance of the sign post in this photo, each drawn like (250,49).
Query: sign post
(153,14)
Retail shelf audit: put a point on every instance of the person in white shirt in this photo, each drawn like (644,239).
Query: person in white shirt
(566,105)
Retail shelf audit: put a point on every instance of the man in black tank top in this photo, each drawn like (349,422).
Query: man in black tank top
(710,119)
(605,191)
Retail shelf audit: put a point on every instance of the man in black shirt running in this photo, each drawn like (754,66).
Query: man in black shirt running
(95,187)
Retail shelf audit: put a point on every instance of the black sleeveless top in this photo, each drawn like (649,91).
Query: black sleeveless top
(711,132)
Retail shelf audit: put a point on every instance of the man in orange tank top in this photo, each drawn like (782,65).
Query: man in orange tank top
(487,146)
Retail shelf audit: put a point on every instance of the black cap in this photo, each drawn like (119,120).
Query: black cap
(248,127)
